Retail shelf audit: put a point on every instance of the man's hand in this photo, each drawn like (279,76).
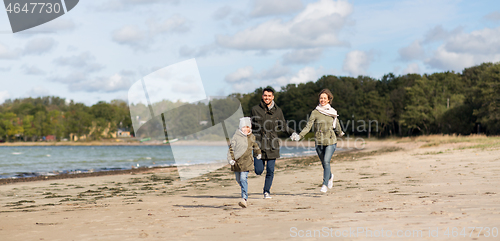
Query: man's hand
(342,134)
(232,162)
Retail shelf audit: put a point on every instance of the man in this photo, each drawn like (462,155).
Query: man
(267,119)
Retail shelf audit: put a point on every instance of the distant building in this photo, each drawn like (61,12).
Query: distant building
(122,132)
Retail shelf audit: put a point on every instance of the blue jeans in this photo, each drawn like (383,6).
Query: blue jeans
(325,154)
(259,169)
(241,178)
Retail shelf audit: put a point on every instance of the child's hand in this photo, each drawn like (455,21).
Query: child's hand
(232,162)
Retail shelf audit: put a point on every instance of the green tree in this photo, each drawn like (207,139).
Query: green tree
(78,119)
(41,124)
(28,127)
(485,95)
(418,112)
(10,125)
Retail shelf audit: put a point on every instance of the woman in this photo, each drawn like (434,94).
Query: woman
(326,124)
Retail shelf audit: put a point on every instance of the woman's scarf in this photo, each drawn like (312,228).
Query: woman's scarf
(328,111)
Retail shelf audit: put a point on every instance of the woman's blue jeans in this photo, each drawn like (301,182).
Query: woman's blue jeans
(325,154)
(241,178)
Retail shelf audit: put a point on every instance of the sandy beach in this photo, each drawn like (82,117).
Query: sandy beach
(412,189)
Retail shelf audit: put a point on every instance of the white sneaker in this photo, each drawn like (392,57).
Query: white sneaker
(324,188)
(243,203)
(330,182)
(267,195)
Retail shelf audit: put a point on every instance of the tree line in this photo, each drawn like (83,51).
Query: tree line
(406,105)
(31,119)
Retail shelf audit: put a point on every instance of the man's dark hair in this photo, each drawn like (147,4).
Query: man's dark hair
(268,89)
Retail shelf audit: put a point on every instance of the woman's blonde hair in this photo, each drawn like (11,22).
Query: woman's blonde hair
(328,93)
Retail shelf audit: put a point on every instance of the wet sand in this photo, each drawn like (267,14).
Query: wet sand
(406,188)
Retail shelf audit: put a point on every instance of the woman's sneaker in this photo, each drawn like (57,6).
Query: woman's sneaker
(324,188)
(267,195)
(243,203)
(330,182)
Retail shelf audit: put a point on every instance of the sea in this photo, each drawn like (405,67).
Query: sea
(32,161)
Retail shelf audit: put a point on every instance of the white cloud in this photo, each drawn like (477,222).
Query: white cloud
(130,35)
(412,52)
(302,56)
(174,24)
(58,25)
(357,62)
(439,34)
(274,7)
(121,5)
(32,70)
(7,53)
(4,95)
(5,69)
(238,19)
(276,71)
(38,91)
(316,26)
(39,46)
(380,22)
(72,78)
(483,42)
(117,82)
(248,73)
(446,60)
(222,13)
(467,49)
(79,81)
(493,16)
(412,68)
(84,61)
(244,86)
(245,79)
(202,51)
(141,39)
(304,75)
(242,74)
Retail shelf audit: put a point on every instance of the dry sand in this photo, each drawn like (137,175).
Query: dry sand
(396,188)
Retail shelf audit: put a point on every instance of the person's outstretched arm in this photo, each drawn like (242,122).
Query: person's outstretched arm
(308,127)
(338,128)
(282,124)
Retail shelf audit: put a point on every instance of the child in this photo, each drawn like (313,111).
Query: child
(240,156)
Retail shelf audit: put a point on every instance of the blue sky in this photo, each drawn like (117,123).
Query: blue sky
(98,50)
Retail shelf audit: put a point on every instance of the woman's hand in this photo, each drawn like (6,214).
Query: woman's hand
(295,137)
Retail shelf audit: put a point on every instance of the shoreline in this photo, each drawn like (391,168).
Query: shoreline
(13,180)
(286,142)
(90,173)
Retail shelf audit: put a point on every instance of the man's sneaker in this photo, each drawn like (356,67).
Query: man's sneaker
(267,195)
(243,203)
(324,188)
(330,182)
